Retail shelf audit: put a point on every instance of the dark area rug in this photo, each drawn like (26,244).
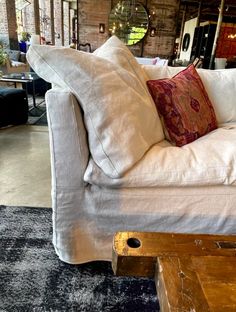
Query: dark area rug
(37,115)
(32,278)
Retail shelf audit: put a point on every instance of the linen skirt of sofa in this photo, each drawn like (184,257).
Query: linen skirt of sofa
(85,221)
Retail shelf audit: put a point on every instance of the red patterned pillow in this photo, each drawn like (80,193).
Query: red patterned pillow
(184,105)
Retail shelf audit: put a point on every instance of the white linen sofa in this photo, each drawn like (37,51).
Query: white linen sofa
(152,61)
(165,188)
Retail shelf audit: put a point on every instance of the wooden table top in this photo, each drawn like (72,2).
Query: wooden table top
(192,272)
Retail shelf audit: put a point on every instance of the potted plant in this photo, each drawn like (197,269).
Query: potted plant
(25,36)
(3,58)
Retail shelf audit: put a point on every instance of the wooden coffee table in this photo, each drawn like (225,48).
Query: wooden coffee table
(192,272)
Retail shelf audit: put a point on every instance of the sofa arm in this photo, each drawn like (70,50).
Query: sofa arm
(68,140)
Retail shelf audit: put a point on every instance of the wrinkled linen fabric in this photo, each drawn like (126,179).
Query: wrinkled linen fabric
(206,161)
(86,216)
(120,117)
(86,222)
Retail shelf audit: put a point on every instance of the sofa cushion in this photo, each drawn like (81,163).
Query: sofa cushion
(210,160)
(161,72)
(183,103)
(117,52)
(119,116)
(145,60)
(220,86)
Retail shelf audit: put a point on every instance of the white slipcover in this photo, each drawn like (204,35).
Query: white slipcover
(163,188)
(86,215)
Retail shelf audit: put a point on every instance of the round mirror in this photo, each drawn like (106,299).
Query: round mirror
(128,20)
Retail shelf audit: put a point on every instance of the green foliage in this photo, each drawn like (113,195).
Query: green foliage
(3,56)
(25,36)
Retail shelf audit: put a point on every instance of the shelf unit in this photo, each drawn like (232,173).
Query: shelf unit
(203,42)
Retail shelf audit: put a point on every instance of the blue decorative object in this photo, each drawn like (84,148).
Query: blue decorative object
(23,46)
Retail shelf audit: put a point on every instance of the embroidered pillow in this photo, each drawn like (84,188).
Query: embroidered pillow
(184,106)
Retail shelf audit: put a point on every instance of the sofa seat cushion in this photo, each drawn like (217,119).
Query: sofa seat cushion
(210,160)
(119,115)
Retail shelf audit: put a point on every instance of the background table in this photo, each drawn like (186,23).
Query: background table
(23,78)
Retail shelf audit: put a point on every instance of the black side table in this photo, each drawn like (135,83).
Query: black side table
(23,78)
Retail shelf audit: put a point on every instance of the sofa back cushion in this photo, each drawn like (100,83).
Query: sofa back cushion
(160,72)
(120,118)
(220,86)
(117,52)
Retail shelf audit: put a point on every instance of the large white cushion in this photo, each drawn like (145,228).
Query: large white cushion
(219,84)
(160,72)
(120,118)
(117,52)
(145,60)
(221,88)
(210,160)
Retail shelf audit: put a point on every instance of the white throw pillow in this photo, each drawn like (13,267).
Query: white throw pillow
(117,52)
(120,119)
(221,89)
(160,72)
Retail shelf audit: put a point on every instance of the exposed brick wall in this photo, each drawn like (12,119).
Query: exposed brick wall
(165,22)
(4,38)
(91,13)
(28,15)
(57,22)
(35,3)
(12,26)
(94,12)
(45,20)
(66,24)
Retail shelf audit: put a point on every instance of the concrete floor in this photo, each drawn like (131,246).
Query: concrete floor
(25,177)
